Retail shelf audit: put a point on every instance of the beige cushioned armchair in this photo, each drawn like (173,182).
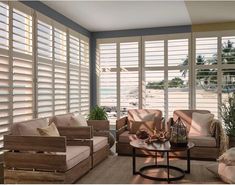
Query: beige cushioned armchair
(123,136)
(206,147)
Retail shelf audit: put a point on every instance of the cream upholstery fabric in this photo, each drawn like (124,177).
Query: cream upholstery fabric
(125,137)
(28,128)
(138,114)
(99,142)
(228,157)
(61,120)
(206,141)
(78,120)
(226,173)
(76,154)
(200,125)
(49,130)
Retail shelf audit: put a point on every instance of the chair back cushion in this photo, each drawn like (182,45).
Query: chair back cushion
(62,120)
(186,116)
(29,128)
(145,115)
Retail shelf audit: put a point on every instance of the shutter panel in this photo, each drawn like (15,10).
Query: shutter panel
(60,72)
(178,87)
(74,74)
(129,76)
(4,26)
(108,79)
(22,66)
(44,70)
(154,75)
(4,72)
(154,92)
(85,81)
(206,75)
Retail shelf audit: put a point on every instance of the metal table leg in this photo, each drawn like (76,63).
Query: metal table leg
(188,162)
(168,168)
(133,161)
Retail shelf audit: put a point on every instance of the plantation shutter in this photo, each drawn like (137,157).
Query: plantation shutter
(84,79)
(108,79)
(60,71)
(74,73)
(129,76)
(44,68)
(22,64)
(206,74)
(178,87)
(4,72)
(154,75)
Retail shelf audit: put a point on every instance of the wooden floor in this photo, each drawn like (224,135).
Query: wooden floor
(118,170)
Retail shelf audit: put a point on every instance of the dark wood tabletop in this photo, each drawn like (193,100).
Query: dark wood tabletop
(159,147)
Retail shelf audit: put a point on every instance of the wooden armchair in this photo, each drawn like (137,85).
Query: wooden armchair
(123,137)
(100,133)
(206,147)
(40,159)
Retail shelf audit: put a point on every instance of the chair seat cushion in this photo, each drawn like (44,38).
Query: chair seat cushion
(125,137)
(76,154)
(99,142)
(205,141)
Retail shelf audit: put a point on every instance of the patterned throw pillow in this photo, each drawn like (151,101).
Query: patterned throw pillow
(50,130)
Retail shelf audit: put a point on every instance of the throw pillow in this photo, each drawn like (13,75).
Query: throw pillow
(226,173)
(144,117)
(50,130)
(228,157)
(78,120)
(145,125)
(200,125)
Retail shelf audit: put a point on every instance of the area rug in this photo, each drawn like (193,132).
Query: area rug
(118,170)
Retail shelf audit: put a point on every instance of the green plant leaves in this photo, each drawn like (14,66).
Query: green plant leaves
(98,113)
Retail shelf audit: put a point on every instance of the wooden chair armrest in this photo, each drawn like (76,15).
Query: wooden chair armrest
(218,131)
(35,161)
(120,123)
(101,133)
(99,125)
(121,126)
(35,143)
(82,132)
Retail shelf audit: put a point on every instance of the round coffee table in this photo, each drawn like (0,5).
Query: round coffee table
(160,147)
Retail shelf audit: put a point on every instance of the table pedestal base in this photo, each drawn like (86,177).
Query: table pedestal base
(149,167)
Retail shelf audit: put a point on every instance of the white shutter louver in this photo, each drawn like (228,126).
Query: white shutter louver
(206,75)
(74,74)
(4,71)
(154,90)
(60,72)
(154,75)
(4,26)
(108,79)
(44,70)
(129,76)
(22,66)
(84,80)
(178,87)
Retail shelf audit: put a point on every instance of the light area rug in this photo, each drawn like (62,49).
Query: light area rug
(118,170)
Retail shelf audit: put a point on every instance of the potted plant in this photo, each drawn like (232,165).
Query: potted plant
(227,113)
(98,118)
